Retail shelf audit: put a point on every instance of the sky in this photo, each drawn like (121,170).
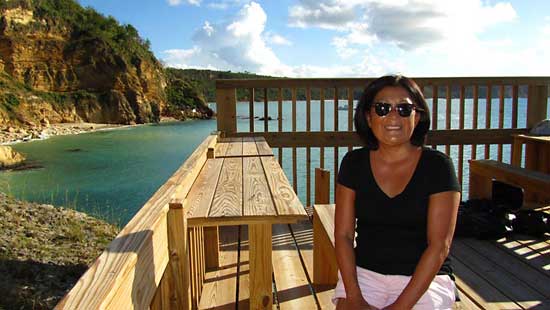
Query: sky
(344,38)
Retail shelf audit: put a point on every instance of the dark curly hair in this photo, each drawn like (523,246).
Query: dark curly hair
(366,101)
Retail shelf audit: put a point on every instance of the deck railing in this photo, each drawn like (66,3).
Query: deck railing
(309,121)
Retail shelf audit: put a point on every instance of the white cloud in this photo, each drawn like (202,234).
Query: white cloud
(225,4)
(178,2)
(277,39)
(408,23)
(236,45)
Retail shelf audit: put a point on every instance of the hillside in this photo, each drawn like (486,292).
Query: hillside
(62,63)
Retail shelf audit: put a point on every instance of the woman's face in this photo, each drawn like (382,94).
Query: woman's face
(392,129)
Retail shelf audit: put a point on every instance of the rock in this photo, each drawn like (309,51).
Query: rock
(10,158)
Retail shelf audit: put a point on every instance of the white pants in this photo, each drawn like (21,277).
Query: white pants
(382,290)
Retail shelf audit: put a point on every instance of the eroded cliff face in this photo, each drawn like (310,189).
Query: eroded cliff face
(51,74)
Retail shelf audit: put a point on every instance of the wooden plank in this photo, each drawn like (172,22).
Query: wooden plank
(345,138)
(322,186)
(200,196)
(263,148)
(474,119)
(235,147)
(294,109)
(251,108)
(211,247)
(335,109)
(280,109)
(285,200)
(261,268)
(531,181)
(228,199)
(165,295)
(266,111)
(256,194)
(244,269)
(499,277)
(308,176)
(488,115)
(325,267)
(294,171)
(141,246)
(435,103)
(473,286)
(322,127)
(249,147)
(293,287)
(361,82)
(220,287)
(500,117)
(221,149)
(529,250)
(536,104)
(531,277)
(448,115)
(515,92)
(177,247)
(461,127)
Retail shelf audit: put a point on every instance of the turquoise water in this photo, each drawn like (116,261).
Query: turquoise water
(111,174)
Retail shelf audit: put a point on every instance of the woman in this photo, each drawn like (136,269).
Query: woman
(402,200)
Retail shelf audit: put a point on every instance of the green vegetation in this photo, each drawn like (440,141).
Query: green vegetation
(182,94)
(44,250)
(86,26)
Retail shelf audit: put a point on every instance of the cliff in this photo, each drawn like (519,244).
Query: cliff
(60,62)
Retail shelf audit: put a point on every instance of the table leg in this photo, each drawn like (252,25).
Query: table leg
(261,268)
(211,247)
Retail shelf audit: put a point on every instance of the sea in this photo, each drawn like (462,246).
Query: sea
(112,173)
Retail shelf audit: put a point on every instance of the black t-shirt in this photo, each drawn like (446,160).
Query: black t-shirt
(392,232)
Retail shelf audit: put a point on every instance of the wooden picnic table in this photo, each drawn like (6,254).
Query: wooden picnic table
(243,184)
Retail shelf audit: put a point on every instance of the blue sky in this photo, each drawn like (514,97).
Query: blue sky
(344,38)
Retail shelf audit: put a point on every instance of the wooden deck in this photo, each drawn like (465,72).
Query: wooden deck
(510,273)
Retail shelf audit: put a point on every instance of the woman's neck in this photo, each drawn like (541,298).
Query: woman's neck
(397,153)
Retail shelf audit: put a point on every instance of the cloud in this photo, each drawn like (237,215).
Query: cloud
(225,4)
(409,24)
(178,2)
(277,39)
(238,44)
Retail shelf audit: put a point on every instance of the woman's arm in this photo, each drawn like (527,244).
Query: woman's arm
(442,212)
(344,233)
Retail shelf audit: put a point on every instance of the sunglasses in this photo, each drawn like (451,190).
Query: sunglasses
(403,109)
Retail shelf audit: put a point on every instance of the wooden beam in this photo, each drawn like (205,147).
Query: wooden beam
(226,105)
(177,247)
(346,138)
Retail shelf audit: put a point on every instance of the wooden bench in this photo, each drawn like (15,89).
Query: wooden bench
(509,273)
(534,183)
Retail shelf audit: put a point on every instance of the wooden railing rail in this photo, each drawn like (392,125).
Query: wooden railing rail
(311,120)
(147,265)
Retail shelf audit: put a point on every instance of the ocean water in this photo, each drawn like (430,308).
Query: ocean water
(111,174)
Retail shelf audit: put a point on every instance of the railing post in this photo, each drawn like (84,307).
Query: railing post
(226,106)
(177,247)
(322,186)
(536,104)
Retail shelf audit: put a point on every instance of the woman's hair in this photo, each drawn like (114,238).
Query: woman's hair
(366,101)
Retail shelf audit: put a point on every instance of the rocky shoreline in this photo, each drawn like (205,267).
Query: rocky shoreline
(11,135)
(44,250)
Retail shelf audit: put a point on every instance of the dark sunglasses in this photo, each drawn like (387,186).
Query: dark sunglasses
(403,109)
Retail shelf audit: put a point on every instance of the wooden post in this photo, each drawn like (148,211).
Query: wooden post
(480,186)
(536,104)
(177,247)
(322,186)
(210,153)
(261,268)
(325,268)
(226,104)
(211,247)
